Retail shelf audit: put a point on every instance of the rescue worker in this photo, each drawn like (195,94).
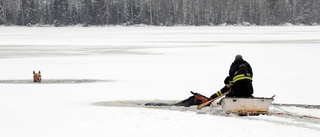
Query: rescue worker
(240,75)
(238,83)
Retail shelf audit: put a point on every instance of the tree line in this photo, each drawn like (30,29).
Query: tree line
(158,12)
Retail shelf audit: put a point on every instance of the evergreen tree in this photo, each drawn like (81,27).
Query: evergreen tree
(158,12)
(60,12)
(2,13)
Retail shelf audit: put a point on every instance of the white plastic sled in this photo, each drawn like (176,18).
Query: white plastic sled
(246,106)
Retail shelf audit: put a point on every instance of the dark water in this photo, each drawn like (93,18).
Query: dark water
(54,81)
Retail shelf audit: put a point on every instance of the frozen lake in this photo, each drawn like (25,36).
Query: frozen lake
(82,66)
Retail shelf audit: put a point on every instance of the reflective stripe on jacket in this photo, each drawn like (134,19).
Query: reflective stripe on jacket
(241,77)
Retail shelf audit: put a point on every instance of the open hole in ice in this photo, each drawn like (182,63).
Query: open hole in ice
(53,81)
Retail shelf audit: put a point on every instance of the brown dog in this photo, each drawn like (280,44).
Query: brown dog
(37,77)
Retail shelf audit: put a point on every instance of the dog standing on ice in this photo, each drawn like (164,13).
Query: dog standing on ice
(37,77)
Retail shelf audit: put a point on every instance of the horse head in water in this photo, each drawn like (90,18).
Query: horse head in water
(37,77)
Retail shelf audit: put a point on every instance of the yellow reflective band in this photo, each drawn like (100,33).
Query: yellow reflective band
(241,77)
(218,93)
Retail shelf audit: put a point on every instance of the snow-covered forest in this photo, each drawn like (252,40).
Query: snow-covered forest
(159,12)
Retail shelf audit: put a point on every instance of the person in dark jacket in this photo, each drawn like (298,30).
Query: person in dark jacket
(239,83)
(240,75)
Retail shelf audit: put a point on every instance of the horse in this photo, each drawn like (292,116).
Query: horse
(37,77)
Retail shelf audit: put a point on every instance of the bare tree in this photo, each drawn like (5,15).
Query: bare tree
(158,12)
(2,13)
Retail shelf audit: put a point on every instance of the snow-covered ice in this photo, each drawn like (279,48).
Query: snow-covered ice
(83,66)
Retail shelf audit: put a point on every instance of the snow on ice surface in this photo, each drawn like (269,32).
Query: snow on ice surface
(85,66)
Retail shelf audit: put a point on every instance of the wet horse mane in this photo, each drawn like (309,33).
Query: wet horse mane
(37,77)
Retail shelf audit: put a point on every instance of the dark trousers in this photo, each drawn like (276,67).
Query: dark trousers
(242,88)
